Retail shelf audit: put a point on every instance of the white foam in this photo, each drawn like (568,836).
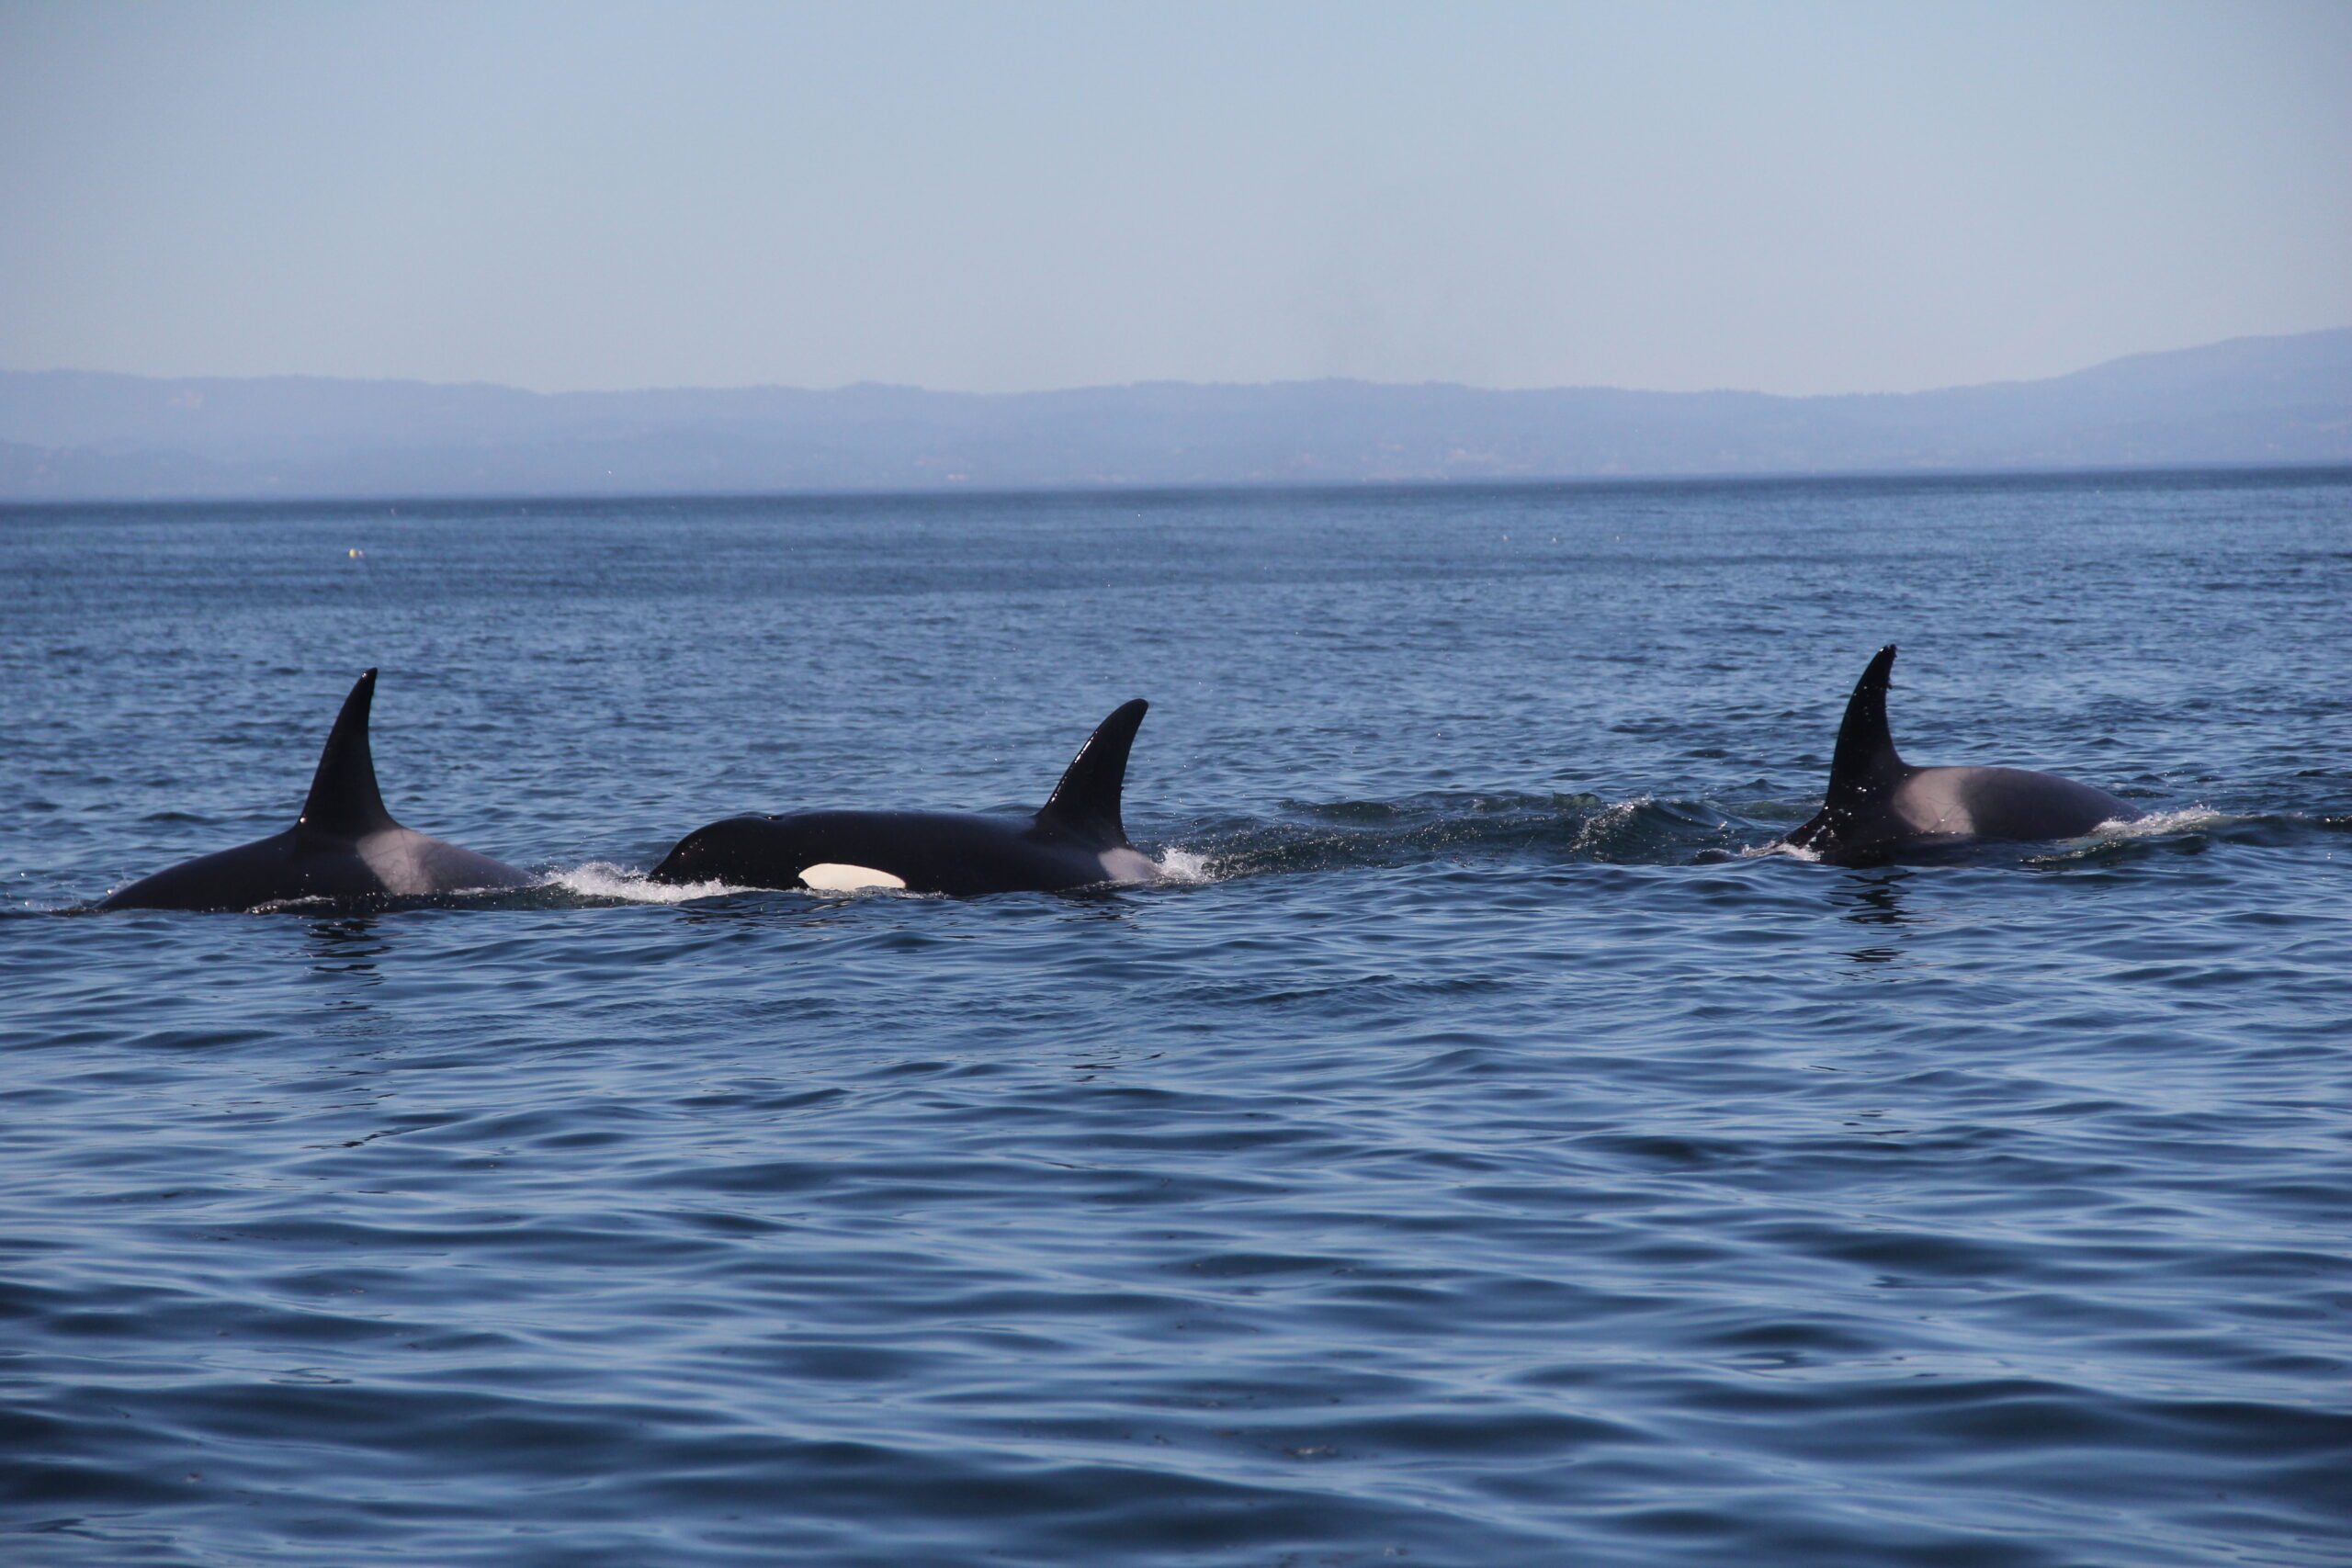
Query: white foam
(2158,823)
(1779,847)
(601,879)
(1184,865)
(283,906)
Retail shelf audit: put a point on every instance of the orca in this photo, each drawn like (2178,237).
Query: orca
(1879,806)
(344,846)
(1076,841)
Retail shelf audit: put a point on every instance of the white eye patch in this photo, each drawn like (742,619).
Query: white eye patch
(831,878)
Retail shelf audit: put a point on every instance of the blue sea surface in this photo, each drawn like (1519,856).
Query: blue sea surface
(1481,1152)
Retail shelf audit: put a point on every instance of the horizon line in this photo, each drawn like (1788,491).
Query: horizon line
(1161,381)
(2288,470)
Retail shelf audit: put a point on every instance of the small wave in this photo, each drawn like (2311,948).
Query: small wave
(603,879)
(1611,822)
(1779,847)
(1646,830)
(1650,830)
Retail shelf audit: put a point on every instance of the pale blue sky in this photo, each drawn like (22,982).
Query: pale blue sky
(1794,197)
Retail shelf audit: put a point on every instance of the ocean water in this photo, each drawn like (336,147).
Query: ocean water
(1478,1152)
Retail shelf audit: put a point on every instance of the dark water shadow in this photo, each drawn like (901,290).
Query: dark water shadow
(342,953)
(1875,901)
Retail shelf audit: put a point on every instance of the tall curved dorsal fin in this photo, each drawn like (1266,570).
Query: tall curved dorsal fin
(343,792)
(1086,803)
(1865,753)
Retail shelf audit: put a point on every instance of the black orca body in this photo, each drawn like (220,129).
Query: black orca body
(1077,840)
(346,846)
(1879,806)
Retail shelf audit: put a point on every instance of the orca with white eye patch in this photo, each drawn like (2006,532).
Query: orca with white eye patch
(1077,839)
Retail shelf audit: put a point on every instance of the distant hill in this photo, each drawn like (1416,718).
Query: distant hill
(83,435)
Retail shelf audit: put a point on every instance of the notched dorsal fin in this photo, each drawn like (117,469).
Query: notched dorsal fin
(1865,753)
(1086,803)
(343,792)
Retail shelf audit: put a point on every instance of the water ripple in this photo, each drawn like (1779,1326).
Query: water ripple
(1483,1149)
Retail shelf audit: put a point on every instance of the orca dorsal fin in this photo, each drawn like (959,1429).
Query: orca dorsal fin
(342,796)
(1865,753)
(1085,804)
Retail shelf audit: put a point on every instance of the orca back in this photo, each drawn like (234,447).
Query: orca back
(1878,805)
(1078,839)
(344,846)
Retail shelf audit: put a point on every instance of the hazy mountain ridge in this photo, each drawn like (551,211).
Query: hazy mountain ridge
(87,435)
